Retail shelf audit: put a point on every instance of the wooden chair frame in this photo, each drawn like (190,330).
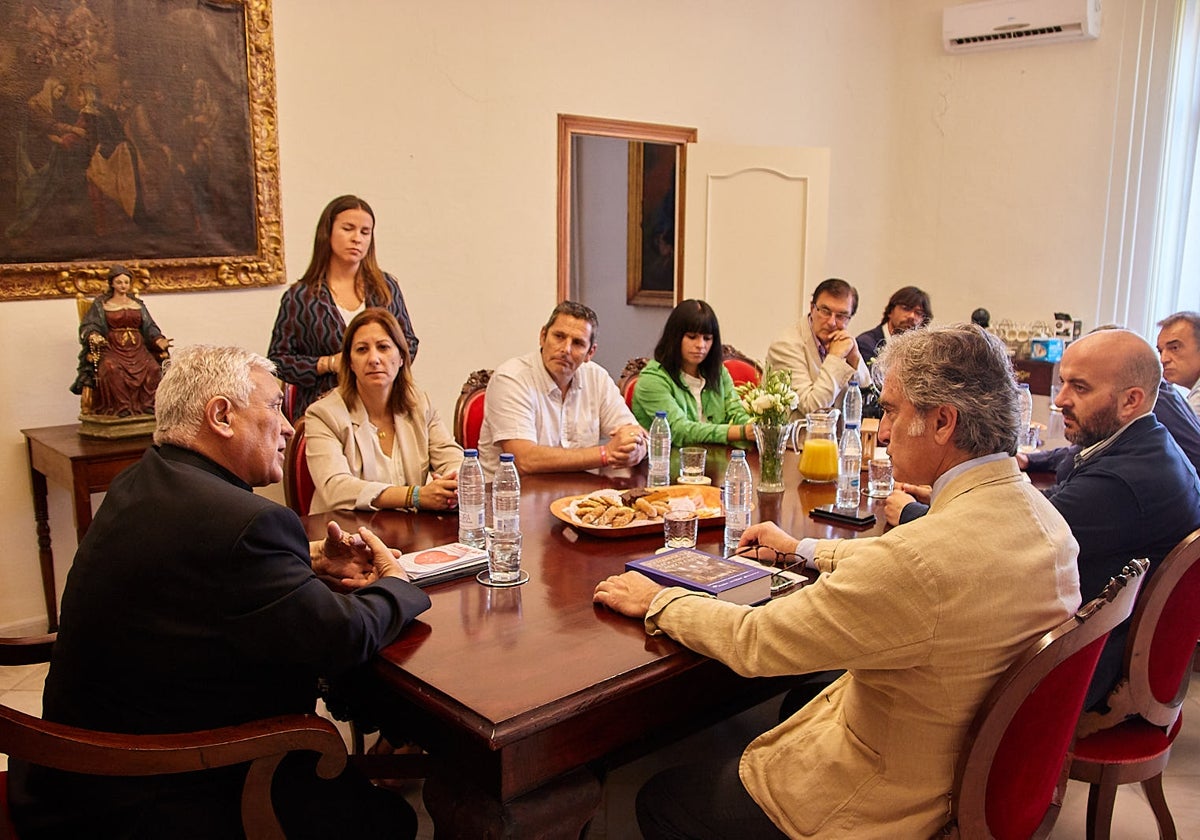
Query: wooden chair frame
(1134,710)
(628,377)
(731,352)
(295,473)
(1093,621)
(263,743)
(476,382)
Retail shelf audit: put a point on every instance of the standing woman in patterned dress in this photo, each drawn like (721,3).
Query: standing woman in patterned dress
(342,279)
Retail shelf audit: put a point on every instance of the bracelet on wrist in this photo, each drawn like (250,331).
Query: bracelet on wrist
(416,498)
(603,457)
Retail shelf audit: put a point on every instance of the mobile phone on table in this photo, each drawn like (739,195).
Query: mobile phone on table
(843,516)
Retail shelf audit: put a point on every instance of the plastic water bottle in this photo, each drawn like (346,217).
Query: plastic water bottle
(660,451)
(849,468)
(470,501)
(1025,401)
(853,403)
(506,497)
(739,490)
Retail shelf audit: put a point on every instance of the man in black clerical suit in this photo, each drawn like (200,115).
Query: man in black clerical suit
(194,603)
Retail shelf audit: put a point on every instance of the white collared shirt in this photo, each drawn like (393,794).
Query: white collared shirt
(524,402)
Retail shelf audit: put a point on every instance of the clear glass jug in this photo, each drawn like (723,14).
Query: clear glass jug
(819,460)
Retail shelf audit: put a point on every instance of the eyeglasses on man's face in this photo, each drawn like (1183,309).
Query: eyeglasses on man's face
(831,315)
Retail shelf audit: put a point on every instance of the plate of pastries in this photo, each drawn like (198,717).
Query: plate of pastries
(639,510)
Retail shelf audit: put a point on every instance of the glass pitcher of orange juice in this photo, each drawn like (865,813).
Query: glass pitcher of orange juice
(819,460)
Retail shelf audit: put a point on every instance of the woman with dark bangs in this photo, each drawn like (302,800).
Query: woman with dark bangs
(688,380)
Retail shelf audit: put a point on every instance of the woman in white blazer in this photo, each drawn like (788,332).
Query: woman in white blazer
(376,442)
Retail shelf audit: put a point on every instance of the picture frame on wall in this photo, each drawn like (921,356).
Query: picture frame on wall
(651,264)
(141,133)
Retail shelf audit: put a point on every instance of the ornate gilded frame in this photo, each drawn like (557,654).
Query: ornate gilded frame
(260,266)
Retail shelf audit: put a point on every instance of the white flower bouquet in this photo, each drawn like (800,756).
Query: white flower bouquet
(771,401)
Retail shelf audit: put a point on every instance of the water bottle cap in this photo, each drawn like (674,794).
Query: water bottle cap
(506,458)
(471,453)
(1024,385)
(851,425)
(738,455)
(854,380)
(660,414)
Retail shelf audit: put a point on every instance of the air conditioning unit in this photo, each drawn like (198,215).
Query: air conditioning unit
(995,24)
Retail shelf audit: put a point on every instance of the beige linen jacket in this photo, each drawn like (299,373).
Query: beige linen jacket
(817,382)
(924,618)
(345,459)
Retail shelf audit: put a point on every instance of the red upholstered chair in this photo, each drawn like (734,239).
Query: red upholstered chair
(468,410)
(1012,770)
(740,366)
(298,486)
(1132,742)
(628,378)
(290,393)
(262,743)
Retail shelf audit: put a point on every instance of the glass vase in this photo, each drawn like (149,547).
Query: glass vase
(771,440)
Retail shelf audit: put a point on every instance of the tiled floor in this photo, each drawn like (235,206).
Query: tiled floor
(21,688)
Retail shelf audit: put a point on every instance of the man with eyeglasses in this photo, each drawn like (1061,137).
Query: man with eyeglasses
(906,309)
(819,350)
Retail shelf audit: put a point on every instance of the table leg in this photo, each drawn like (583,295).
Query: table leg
(41,515)
(83,506)
(559,809)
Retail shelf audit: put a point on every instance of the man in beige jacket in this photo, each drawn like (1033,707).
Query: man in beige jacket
(924,619)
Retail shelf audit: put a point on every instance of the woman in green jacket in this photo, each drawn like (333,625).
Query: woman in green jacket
(688,380)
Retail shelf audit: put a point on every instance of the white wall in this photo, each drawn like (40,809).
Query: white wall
(980,178)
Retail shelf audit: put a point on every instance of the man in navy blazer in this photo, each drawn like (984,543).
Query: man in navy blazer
(193,604)
(907,308)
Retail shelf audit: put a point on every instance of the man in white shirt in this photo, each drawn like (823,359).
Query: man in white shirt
(819,349)
(556,410)
(1179,349)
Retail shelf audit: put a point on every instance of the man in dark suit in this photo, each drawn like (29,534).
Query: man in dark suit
(194,603)
(906,309)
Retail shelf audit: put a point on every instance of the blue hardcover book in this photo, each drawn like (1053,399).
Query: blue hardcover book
(721,577)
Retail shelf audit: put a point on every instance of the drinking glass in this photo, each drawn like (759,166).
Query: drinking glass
(879,478)
(680,528)
(691,463)
(504,556)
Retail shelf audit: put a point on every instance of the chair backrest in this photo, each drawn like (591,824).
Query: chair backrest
(628,378)
(290,394)
(468,410)
(1162,638)
(262,743)
(1013,766)
(741,367)
(298,486)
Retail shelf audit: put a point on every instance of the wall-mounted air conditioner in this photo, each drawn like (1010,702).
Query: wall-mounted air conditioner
(994,24)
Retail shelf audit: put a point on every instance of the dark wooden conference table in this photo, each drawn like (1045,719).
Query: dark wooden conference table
(524,695)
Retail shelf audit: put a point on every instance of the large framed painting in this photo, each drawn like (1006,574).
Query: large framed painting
(650,244)
(140,132)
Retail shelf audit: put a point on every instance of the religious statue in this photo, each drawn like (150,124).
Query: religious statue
(120,361)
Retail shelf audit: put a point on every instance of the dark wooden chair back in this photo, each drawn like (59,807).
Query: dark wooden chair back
(262,743)
(298,486)
(628,379)
(290,394)
(468,410)
(741,367)
(1012,770)
(1132,741)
